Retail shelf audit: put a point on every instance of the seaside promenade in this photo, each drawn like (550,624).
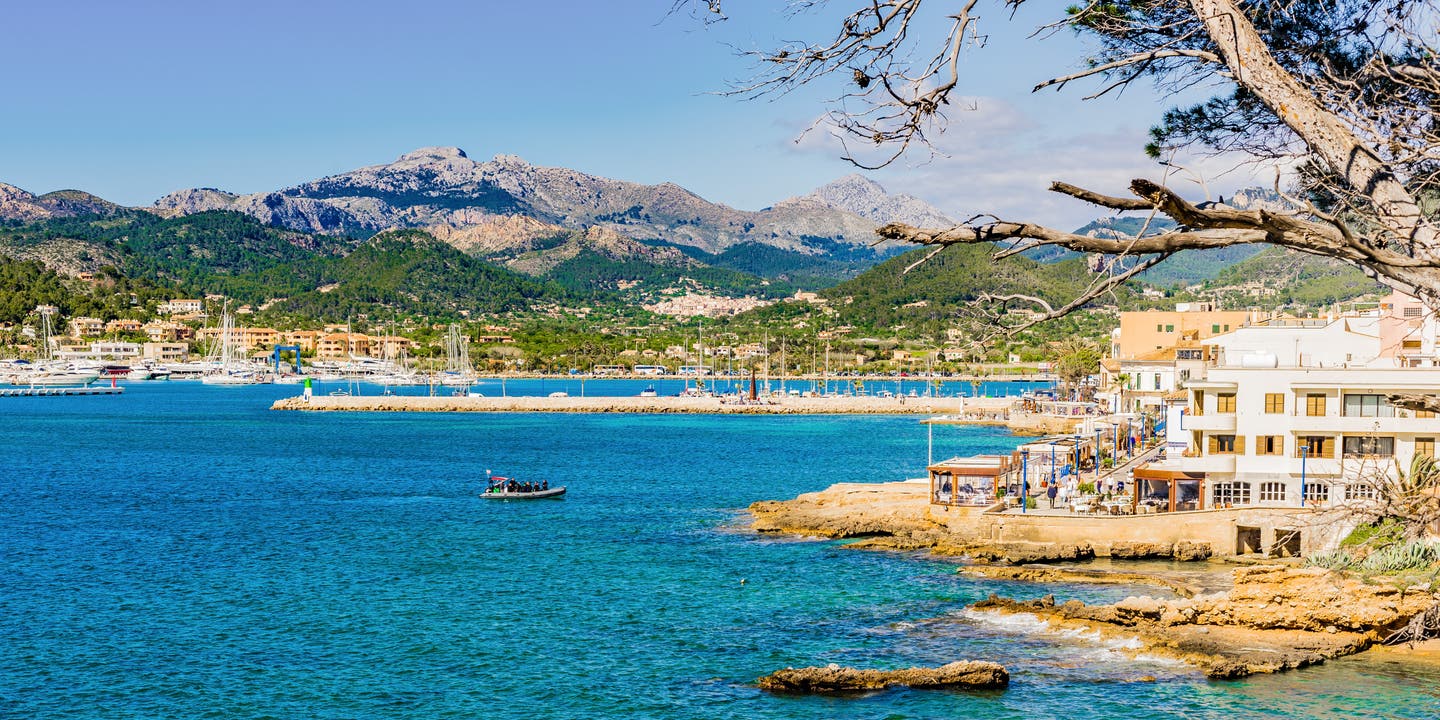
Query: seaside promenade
(834,405)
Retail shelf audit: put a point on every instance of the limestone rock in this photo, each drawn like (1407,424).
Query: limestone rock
(1186,551)
(836,679)
(1018,553)
(1140,550)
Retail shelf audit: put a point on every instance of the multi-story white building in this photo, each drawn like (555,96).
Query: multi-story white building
(1291,437)
(1346,341)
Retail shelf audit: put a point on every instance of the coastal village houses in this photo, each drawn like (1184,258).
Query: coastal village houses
(1258,420)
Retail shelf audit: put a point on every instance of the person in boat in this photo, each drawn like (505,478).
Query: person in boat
(544,484)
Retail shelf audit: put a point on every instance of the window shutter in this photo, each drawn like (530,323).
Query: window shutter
(1239,444)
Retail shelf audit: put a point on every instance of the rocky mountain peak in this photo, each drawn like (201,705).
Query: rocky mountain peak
(862,196)
(13,194)
(437,153)
(510,161)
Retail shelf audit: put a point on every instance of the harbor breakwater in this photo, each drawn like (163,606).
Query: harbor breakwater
(840,405)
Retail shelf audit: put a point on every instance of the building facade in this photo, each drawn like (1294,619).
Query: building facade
(1294,437)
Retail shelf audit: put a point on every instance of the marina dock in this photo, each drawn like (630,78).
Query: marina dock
(58,391)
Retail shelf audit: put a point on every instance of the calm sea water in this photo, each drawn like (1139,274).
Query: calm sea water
(182,552)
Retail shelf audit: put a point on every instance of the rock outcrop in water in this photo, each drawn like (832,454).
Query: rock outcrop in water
(1275,618)
(977,675)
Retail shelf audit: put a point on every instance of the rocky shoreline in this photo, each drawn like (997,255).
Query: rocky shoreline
(1275,617)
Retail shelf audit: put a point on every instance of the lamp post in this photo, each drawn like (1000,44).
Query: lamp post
(1304,451)
(1098,433)
(1024,479)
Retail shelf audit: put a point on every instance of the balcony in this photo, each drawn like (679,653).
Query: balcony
(1220,422)
(1317,467)
(1203,464)
(1330,424)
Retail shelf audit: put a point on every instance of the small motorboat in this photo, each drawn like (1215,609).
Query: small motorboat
(649,392)
(503,488)
(502,494)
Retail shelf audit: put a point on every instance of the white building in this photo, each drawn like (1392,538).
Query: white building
(180,307)
(1289,437)
(1350,341)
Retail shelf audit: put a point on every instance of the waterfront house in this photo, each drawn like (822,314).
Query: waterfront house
(165,351)
(1292,437)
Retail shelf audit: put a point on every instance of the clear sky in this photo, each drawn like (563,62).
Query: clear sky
(131,100)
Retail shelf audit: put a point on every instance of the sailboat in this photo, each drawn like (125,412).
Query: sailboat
(458,372)
(49,372)
(228,365)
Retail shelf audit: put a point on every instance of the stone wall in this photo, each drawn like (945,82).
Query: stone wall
(1219,529)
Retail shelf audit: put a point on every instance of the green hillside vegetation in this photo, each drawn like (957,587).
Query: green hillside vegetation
(24,284)
(213,252)
(1191,266)
(832,264)
(1297,278)
(946,283)
(591,273)
(411,272)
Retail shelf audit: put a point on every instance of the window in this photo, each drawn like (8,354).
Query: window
(1159,328)
(1411,312)
(1169,328)
(1272,492)
(1189,355)
(1369,446)
(1425,414)
(1227,328)
(1315,405)
(1425,446)
(1227,445)
(1410,344)
(1215,329)
(1368,406)
(1317,492)
(1274,403)
(1270,445)
(1315,446)
(1229,494)
(1360,490)
(1225,402)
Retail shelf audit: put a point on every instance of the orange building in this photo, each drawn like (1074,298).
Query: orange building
(1142,333)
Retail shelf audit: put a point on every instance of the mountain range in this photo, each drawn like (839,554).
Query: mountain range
(535,219)
(442,186)
(556,232)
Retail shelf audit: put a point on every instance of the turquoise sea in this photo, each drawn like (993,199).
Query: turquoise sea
(182,552)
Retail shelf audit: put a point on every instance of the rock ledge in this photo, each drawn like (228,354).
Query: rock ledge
(972,674)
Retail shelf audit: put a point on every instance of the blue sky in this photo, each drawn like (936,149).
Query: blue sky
(133,100)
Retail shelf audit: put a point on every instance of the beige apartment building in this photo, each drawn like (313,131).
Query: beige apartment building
(1143,333)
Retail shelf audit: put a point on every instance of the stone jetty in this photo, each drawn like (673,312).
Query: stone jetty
(654,405)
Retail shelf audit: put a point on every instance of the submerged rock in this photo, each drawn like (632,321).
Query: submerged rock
(835,679)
